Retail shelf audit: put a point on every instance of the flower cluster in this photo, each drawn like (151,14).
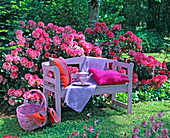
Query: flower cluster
(88,131)
(33,80)
(34,44)
(113,44)
(148,71)
(155,128)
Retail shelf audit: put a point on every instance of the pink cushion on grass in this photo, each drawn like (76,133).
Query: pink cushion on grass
(108,77)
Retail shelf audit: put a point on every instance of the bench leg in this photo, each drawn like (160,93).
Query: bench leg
(45,92)
(129,102)
(58,106)
(113,98)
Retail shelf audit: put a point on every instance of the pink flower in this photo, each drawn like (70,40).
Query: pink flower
(139,40)
(105,95)
(34,97)
(23,61)
(122,38)
(95,122)
(31,82)
(14,52)
(14,75)
(22,23)
(39,47)
(163,72)
(98,24)
(67,28)
(6,66)
(110,35)
(84,135)
(19,32)
(42,40)
(4,81)
(37,52)
(18,93)
(144,123)
(148,133)
(128,34)
(29,64)
(16,59)
(35,77)
(97,29)
(105,28)
(164,132)
(14,68)
(11,101)
(138,46)
(1,78)
(36,42)
(135,130)
(56,40)
(11,91)
(47,47)
(12,43)
(47,54)
(131,53)
(36,34)
(91,129)
(28,76)
(39,82)
(63,46)
(134,80)
(134,38)
(160,114)
(122,71)
(116,27)
(88,30)
(19,49)
(61,29)
(85,127)
(40,24)
(54,56)
(9,58)
(152,119)
(116,42)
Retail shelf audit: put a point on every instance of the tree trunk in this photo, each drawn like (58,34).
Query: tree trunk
(94,6)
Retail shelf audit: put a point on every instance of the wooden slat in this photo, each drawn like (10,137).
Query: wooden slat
(48,79)
(118,103)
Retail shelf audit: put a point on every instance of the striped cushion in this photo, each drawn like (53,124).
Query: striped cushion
(65,75)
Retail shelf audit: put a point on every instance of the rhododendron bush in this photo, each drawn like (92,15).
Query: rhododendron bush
(113,42)
(21,67)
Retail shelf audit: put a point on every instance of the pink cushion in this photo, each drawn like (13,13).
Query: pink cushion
(108,77)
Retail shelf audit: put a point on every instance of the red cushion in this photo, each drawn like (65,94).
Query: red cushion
(65,75)
(108,77)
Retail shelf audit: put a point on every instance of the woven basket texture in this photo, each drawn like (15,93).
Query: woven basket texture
(30,108)
(24,121)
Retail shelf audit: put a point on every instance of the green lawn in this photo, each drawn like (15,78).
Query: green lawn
(112,123)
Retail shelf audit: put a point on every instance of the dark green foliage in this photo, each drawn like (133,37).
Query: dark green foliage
(110,12)
(151,41)
(155,15)
(8,18)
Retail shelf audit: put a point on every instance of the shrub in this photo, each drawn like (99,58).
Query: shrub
(21,68)
(112,41)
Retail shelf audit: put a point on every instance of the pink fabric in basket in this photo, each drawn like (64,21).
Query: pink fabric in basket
(108,77)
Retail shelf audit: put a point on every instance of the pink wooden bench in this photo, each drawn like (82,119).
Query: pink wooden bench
(54,85)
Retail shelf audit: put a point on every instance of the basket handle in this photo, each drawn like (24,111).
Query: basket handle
(44,101)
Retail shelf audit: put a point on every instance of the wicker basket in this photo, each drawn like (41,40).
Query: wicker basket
(25,109)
